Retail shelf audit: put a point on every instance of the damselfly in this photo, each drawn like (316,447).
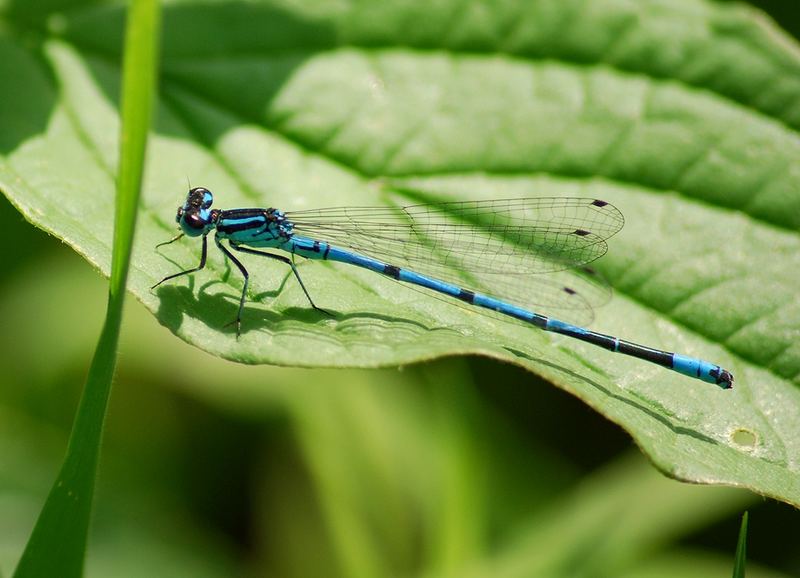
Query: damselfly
(482,253)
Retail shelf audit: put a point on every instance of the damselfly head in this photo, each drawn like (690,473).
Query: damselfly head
(195,216)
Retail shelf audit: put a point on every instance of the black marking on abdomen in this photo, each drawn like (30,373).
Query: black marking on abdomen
(601,340)
(604,341)
(392,271)
(327,250)
(466,295)
(663,358)
(539,321)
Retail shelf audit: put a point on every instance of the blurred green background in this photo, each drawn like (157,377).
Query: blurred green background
(460,467)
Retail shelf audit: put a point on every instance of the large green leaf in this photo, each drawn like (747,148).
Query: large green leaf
(683,114)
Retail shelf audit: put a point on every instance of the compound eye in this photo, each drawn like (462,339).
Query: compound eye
(194,221)
(201,197)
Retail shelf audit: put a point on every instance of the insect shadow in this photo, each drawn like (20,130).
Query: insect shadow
(218,311)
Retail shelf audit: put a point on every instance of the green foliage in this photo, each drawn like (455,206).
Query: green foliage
(683,114)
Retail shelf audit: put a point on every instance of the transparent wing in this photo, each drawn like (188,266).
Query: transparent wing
(493,247)
(509,236)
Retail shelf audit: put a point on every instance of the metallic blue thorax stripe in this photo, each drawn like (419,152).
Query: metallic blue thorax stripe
(254,227)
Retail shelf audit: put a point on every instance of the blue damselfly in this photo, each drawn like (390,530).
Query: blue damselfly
(482,253)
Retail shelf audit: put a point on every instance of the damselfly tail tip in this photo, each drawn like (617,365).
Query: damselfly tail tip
(725,379)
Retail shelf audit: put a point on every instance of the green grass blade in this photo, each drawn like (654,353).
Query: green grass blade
(741,550)
(139,80)
(57,545)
